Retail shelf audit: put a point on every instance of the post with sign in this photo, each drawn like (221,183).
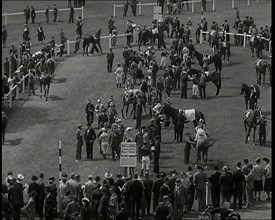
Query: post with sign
(157,13)
(128,155)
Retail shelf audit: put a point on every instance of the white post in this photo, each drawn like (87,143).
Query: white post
(55,51)
(248,2)
(10,99)
(6,18)
(110,41)
(193,8)
(213,6)
(139,8)
(201,36)
(82,12)
(206,193)
(244,40)
(68,47)
(59,159)
(201,13)
(114,14)
(233,4)
(23,82)
(269,47)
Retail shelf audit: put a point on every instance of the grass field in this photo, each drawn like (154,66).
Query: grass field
(36,126)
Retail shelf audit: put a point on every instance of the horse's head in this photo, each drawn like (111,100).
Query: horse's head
(244,89)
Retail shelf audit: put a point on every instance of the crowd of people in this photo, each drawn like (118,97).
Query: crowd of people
(124,197)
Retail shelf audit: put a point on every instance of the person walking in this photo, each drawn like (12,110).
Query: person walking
(85,45)
(115,140)
(27,13)
(40,33)
(238,179)
(214,179)
(89,137)
(200,180)
(110,59)
(71,16)
(79,142)
(226,184)
(55,12)
(33,14)
(47,14)
(249,179)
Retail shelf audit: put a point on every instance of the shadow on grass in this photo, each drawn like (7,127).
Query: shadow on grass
(60,80)
(232,63)
(14,142)
(56,98)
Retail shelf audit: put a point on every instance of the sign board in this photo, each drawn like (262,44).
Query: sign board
(157,16)
(157,10)
(128,154)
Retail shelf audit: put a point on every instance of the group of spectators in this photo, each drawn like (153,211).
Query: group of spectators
(120,198)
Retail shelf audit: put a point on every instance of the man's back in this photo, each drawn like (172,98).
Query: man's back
(226,181)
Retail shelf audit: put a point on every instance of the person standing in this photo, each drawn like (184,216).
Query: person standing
(79,142)
(33,14)
(134,7)
(111,24)
(156,154)
(40,33)
(4,36)
(180,199)
(55,12)
(27,13)
(245,170)
(15,197)
(104,142)
(157,183)
(268,178)
(226,184)
(89,137)
(77,42)
(204,28)
(30,206)
(71,17)
(7,67)
(115,140)
(238,179)
(198,33)
(214,179)
(125,8)
(113,203)
(40,198)
(155,69)
(110,59)
(138,113)
(250,186)
(189,142)
(47,14)
(148,184)
(161,4)
(85,45)
(31,82)
(103,206)
(136,192)
(203,4)
(200,180)
(258,184)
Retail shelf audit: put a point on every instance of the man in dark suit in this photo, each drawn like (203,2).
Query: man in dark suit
(135,191)
(89,136)
(238,180)
(33,14)
(226,184)
(79,142)
(180,199)
(246,171)
(148,185)
(27,13)
(156,190)
(214,179)
(156,154)
(71,18)
(15,197)
(7,67)
(138,113)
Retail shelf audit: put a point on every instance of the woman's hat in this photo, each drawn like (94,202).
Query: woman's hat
(20,177)
(108,175)
(258,160)
(85,200)
(266,160)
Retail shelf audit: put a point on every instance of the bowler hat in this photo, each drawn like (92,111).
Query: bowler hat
(258,160)
(266,160)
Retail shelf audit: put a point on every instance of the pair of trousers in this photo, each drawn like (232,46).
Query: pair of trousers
(109,66)
(78,152)
(89,150)
(215,197)
(201,195)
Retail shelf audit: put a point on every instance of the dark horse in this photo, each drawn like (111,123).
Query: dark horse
(211,77)
(224,50)
(130,97)
(4,125)
(95,39)
(251,120)
(250,95)
(215,58)
(261,67)
(50,65)
(45,81)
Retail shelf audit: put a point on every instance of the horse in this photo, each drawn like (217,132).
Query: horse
(4,125)
(202,146)
(213,39)
(95,39)
(224,50)
(250,95)
(45,81)
(191,115)
(50,65)
(255,42)
(211,77)
(251,120)
(130,97)
(261,67)
(170,112)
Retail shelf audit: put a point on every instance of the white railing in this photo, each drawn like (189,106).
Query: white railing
(248,3)
(10,94)
(42,11)
(153,4)
(233,34)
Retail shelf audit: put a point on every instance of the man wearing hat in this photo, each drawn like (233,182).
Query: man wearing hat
(113,203)
(89,137)
(214,179)
(72,184)
(226,184)
(79,142)
(162,210)
(61,192)
(148,184)
(89,187)
(238,180)
(250,186)
(180,199)
(103,207)
(89,111)
(258,182)
(99,110)
(15,195)
(157,183)
(115,140)
(200,180)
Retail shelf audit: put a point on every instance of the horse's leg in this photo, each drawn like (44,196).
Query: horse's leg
(204,94)
(41,85)
(216,83)
(100,46)
(122,110)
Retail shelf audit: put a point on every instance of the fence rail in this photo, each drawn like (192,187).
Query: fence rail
(155,4)
(42,11)
(248,3)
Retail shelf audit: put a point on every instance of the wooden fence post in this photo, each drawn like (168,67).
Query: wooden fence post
(139,8)
(6,18)
(23,84)
(110,41)
(68,47)
(17,92)
(233,4)
(201,36)
(248,2)
(193,8)
(213,6)
(244,40)
(114,14)
(82,12)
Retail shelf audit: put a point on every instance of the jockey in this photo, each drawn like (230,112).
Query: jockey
(201,124)
(258,62)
